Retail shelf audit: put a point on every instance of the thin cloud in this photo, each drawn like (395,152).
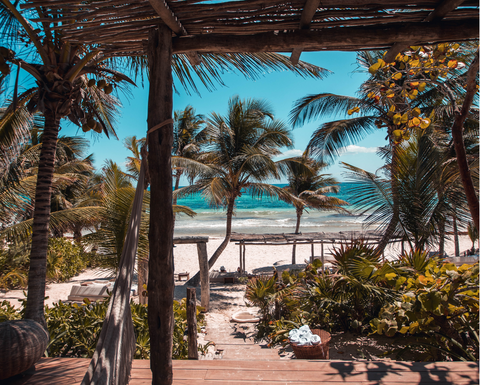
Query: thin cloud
(290,154)
(354,149)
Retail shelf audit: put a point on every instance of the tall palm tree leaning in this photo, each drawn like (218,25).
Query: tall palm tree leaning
(310,187)
(238,159)
(63,90)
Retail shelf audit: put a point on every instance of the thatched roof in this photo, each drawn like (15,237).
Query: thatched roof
(120,27)
(329,237)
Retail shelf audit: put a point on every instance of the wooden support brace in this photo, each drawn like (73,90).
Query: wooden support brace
(169,18)
(305,20)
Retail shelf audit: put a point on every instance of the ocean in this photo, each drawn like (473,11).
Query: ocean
(261,216)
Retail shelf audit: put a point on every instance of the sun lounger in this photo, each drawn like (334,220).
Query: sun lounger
(94,292)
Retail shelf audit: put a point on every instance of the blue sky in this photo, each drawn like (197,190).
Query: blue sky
(280,89)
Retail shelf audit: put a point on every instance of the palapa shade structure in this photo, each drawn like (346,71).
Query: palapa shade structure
(160,29)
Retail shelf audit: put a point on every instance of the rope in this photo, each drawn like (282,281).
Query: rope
(155,128)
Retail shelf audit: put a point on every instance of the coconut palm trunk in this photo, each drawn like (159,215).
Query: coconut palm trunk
(297,231)
(41,219)
(390,230)
(195,280)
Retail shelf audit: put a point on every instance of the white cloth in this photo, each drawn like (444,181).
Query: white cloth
(303,336)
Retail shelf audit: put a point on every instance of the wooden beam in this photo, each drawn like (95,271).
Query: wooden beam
(305,20)
(160,279)
(341,39)
(169,18)
(438,13)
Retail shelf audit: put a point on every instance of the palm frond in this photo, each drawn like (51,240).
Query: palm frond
(317,105)
(331,137)
(251,65)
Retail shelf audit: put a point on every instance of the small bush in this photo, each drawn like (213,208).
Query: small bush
(64,261)
(75,328)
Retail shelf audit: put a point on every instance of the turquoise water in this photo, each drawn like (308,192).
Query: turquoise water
(259,216)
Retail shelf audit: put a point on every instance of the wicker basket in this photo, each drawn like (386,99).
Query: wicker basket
(22,343)
(320,351)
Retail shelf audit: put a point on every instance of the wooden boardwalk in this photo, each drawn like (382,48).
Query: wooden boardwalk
(70,371)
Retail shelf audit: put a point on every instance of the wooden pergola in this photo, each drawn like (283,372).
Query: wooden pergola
(160,29)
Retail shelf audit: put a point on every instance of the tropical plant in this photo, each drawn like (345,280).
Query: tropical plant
(439,304)
(346,300)
(428,194)
(238,158)
(75,328)
(18,180)
(117,194)
(310,186)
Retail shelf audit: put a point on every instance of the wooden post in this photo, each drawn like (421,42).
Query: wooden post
(241,259)
(243,265)
(294,253)
(204,275)
(323,259)
(313,253)
(160,279)
(192,323)
(142,266)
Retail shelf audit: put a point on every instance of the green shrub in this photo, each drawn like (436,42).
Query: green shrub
(14,264)
(344,301)
(9,312)
(75,328)
(439,304)
(65,259)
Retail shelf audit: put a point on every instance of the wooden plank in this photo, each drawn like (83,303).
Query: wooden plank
(169,18)
(164,11)
(323,377)
(345,38)
(63,371)
(189,240)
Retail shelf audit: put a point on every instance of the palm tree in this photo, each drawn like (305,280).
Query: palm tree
(18,180)
(306,182)
(62,90)
(378,107)
(238,158)
(374,113)
(310,187)
(188,137)
(427,193)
